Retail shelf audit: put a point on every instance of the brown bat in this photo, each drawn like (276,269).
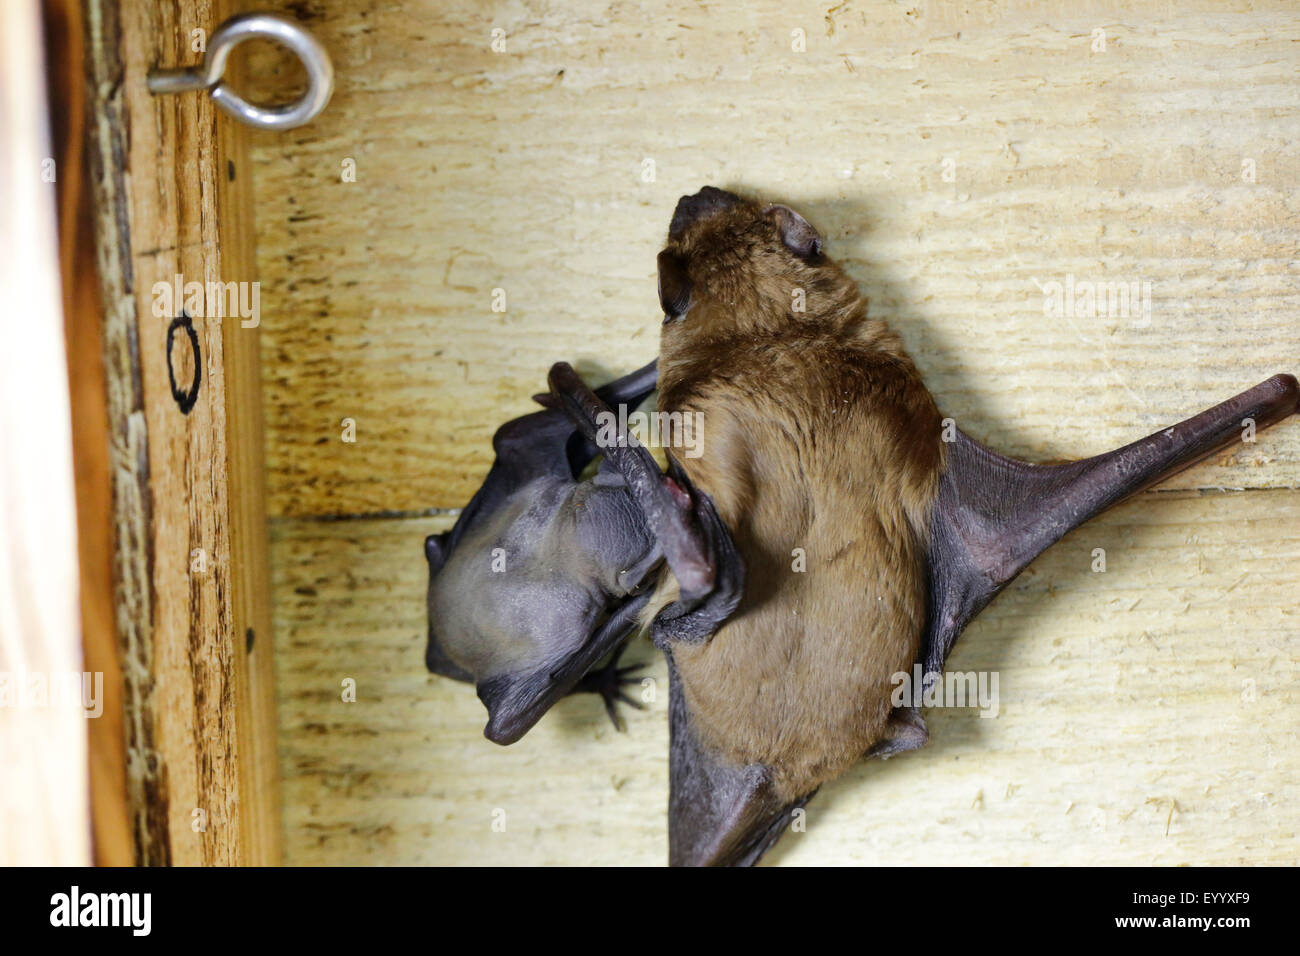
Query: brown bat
(869,541)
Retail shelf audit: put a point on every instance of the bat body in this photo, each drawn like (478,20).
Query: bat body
(828,533)
(544,574)
(822,453)
(869,541)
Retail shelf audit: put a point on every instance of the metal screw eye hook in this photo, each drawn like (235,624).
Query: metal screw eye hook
(247,26)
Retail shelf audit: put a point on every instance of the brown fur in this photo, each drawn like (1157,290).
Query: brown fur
(818,434)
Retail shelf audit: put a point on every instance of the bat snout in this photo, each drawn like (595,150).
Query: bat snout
(702,205)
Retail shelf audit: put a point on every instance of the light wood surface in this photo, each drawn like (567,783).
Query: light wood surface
(522,171)
(1168,682)
(958,158)
(190,561)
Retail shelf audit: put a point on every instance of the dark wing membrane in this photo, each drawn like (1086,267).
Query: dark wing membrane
(719,813)
(995,514)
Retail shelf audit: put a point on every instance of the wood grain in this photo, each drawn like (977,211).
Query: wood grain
(187,495)
(522,171)
(1147,714)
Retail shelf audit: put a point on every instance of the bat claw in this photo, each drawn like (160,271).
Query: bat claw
(608,682)
(611,708)
(635,704)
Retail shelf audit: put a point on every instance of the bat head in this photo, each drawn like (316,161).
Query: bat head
(735,266)
(435,657)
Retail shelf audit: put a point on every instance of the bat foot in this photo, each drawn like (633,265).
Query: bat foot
(608,682)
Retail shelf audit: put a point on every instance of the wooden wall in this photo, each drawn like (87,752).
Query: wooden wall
(958,157)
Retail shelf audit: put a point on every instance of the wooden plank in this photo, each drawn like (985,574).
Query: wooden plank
(187,486)
(44,810)
(255,673)
(1146,714)
(522,170)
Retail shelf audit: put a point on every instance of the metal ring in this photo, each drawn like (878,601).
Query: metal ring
(247,26)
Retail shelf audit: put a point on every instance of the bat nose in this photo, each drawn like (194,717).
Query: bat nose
(691,209)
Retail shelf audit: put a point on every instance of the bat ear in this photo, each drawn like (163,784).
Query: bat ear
(435,550)
(796,232)
(674,285)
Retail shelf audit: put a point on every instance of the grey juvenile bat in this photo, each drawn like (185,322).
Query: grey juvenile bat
(543,574)
(821,439)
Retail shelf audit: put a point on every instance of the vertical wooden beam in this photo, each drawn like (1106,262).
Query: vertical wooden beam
(170,178)
(249,546)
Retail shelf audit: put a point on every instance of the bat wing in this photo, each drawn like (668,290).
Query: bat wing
(719,813)
(515,702)
(994,514)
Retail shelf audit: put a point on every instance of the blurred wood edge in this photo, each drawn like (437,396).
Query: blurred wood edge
(82,314)
(44,806)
